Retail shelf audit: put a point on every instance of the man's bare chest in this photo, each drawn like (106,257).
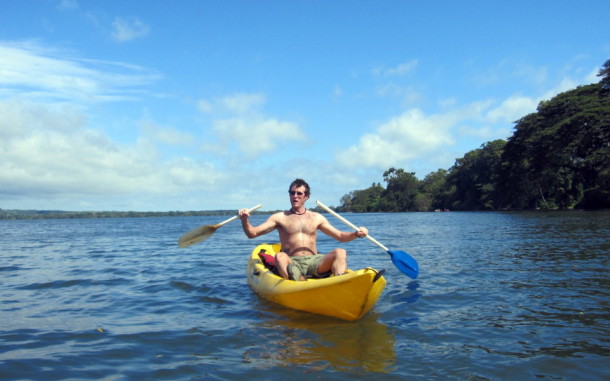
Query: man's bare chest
(298,225)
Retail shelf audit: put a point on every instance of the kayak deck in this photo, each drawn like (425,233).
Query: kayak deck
(348,297)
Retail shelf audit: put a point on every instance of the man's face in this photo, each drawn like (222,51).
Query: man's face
(298,196)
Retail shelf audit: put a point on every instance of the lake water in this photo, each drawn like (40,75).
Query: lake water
(516,296)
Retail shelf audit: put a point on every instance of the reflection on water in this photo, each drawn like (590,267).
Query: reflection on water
(318,342)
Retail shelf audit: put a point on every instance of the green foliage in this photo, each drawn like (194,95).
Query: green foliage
(14,214)
(605,74)
(474,177)
(366,200)
(401,189)
(557,158)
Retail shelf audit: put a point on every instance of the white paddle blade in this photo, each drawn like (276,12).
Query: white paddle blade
(204,232)
(196,235)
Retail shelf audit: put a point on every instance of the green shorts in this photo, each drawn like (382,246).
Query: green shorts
(307,265)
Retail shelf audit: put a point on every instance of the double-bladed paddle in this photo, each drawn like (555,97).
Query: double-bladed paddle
(204,232)
(403,261)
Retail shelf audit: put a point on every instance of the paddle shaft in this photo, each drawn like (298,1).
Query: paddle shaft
(204,232)
(329,210)
(237,216)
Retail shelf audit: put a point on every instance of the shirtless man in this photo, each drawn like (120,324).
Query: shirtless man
(298,228)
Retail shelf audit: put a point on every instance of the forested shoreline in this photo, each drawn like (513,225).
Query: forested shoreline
(16,214)
(557,158)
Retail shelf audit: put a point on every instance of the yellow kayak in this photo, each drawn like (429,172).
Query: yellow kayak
(347,297)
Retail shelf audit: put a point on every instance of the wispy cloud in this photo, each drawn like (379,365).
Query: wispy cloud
(164,134)
(127,29)
(239,121)
(50,150)
(398,70)
(239,103)
(67,5)
(410,135)
(50,154)
(512,109)
(255,137)
(415,136)
(32,71)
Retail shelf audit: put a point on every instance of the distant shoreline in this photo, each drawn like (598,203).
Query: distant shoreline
(15,214)
(18,214)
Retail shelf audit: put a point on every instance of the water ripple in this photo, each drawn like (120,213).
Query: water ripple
(500,296)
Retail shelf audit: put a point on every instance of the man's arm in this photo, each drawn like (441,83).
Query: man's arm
(341,236)
(255,231)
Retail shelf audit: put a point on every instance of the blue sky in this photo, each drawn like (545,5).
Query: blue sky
(199,105)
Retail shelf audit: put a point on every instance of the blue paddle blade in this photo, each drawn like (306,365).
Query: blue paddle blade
(405,263)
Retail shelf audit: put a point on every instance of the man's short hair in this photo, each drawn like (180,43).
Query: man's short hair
(298,183)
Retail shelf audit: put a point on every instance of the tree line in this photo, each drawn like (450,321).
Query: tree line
(17,214)
(557,158)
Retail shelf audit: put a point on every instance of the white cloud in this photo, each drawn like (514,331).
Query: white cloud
(30,68)
(165,135)
(240,103)
(243,103)
(257,136)
(415,136)
(337,91)
(535,74)
(405,137)
(239,121)
(515,107)
(407,95)
(512,109)
(52,157)
(398,70)
(564,85)
(592,76)
(205,106)
(49,154)
(128,29)
(31,71)
(67,5)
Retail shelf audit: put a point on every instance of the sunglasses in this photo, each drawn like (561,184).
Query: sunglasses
(292,193)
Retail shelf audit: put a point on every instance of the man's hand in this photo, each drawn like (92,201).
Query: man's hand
(361,232)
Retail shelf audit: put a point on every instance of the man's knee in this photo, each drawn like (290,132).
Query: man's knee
(281,263)
(341,253)
(282,258)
